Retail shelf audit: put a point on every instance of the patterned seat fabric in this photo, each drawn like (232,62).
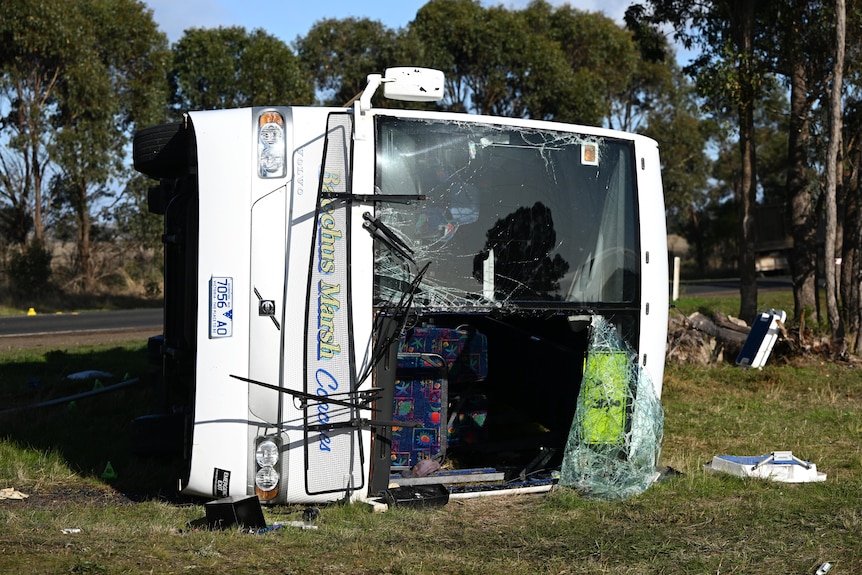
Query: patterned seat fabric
(465,351)
(420,398)
(429,359)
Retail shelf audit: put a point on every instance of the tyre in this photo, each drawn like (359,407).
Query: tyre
(162,151)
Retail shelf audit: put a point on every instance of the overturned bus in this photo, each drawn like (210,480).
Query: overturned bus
(351,292)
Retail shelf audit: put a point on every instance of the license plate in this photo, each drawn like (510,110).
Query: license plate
(221,307)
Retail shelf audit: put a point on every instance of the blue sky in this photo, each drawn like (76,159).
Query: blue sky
(288,19)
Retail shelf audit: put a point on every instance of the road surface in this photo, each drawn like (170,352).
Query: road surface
(74,329)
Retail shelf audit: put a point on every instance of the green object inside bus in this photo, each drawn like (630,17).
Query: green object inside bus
(604,393)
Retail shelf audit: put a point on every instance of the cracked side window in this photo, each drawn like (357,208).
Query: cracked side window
(512,216)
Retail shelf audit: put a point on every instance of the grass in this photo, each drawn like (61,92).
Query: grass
(694,523)
(781,299)
(87,433)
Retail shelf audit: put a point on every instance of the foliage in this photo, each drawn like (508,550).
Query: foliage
(78,76)
(545,63)
(602,55)
(29,268)
(340,53)
(230,68)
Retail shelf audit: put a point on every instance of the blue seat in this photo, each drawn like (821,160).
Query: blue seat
(429,360)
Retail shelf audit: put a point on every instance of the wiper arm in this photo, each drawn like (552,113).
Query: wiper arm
(387,237)
(373,198)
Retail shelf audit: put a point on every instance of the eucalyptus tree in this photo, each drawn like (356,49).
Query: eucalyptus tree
(850,193)
(732,36)
(340,53)
(77,76)
(229,67)
(453,37)
(803,29)
(602,55)
(832,174)
(508,62)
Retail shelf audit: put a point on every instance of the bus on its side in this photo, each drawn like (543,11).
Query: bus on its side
(356,293)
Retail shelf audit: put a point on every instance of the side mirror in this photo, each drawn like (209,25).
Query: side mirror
(413,84)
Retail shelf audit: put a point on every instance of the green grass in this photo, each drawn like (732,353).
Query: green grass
(729,305)
(86,433)
(695,523)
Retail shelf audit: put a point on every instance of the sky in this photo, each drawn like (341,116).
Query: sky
(287,19)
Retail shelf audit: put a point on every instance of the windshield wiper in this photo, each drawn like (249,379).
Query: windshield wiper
(381,232)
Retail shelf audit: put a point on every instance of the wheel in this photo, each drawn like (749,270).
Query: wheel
(162,151)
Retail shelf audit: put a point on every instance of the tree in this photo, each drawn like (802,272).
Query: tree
(603,57)
(802,31)
(729,74)
(851,267)
(850,191)
(78,75)
(835,109)
(514,63)
(32,62)
(453,39)
(231,68)
(339,55)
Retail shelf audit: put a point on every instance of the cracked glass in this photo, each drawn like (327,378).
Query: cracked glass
(509,216)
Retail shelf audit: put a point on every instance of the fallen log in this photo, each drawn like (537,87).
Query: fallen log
(722,331)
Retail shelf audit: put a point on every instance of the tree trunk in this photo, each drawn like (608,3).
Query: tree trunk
(851,287)
(742,14)
(835,110)
(85,255)
(748,197)
(803,216)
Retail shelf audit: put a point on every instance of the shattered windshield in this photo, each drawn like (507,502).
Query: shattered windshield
(510,216)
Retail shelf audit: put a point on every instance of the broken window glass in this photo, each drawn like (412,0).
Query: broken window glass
(511,216)
(615,439)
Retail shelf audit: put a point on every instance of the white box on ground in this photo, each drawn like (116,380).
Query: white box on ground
(776,466)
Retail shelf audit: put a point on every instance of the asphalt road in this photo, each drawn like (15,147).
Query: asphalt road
(83,322)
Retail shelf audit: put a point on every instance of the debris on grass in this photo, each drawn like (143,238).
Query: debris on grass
(780,466)
(12,494)
(90,374)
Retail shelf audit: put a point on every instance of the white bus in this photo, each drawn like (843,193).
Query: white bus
(352,291)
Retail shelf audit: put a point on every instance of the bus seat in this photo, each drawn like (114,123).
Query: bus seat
(420,398)
(464,349)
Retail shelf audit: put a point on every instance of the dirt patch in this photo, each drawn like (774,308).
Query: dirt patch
(62,497)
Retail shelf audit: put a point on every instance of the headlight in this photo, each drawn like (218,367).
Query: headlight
(271,153)
(266,480)
(266,454)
